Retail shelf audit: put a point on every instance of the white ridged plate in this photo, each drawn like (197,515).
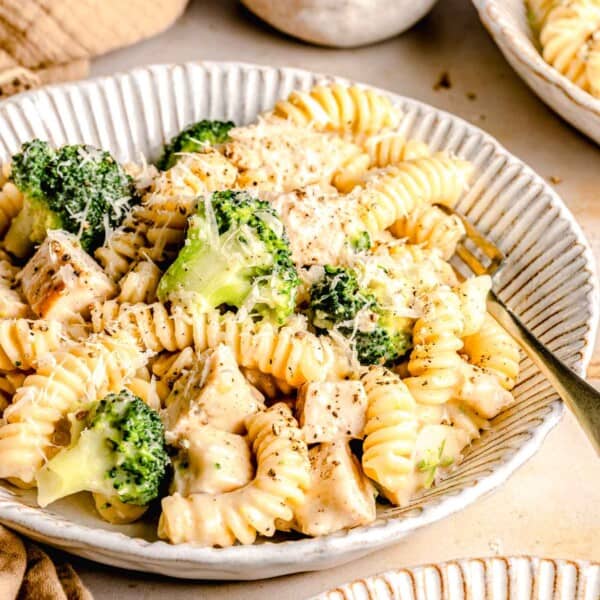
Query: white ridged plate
(549,280)
(506,20)
(512,578)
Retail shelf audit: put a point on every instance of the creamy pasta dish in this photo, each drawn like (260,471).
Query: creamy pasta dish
(260,333)
(568,32)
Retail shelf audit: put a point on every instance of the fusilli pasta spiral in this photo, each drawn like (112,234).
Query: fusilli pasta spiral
(11,202)
(123,246)
(340,108)
(494,351)
(290,353)
(435,365)
(393,148)
(282,476)
(9,382)
(24,342)
(398,190)
(12,304)
(391,432)
(77,374)
(139,284)
(432,228)
(566,35)
(539,10)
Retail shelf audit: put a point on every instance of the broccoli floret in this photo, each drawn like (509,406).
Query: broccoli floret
(336,300)
(337,297)
(77,188)
(121,453)
(194,138)
(236,254)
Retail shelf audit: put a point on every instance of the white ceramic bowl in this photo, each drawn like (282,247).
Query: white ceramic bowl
(506,20)
(517,578)
(341,23)
(549,279)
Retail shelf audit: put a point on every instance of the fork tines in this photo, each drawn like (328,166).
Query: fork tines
(481,244)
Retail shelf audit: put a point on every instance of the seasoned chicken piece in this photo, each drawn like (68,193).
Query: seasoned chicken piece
(61,280)
(330,411)
(323,240)
(340,496)
(214,392)
(212,462)
(279,156)
(483,392)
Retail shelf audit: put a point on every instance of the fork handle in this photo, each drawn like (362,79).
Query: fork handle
(578,395)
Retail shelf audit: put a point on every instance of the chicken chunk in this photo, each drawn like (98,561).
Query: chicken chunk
(61,280)
(330,411)
(339,497)
(279,156)
(484,393)
(212,462)
(326,240)
(214,392)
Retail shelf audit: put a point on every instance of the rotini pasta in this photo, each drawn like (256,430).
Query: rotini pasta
(431,228)
(568,33)
(282,476)
(398,190)
(9,382)
(139,284)
(123,246)
(494,351)
(112,510)
(435,365)
(341,109)
(23,342)
(393,148)
(539,10)
(465,419)
(390,434)
(473,294)
(12,304)
(11,202)
(290,353)
(151,390)
(75,375)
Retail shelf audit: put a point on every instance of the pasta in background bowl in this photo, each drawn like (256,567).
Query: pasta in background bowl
(508,23)
(549,280)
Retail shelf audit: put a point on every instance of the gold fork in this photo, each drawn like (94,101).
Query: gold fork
(576,393)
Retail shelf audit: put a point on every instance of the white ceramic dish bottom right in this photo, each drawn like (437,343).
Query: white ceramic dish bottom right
(517,578)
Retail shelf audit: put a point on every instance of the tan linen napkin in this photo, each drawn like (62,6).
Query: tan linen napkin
(43,41)
(28,573)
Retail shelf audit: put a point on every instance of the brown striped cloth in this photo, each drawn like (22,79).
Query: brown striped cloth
(45,41)
(28,573)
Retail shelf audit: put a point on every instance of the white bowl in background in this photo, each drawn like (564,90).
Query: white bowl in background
(341,23)
(549,280)
(506,20)
(517,578)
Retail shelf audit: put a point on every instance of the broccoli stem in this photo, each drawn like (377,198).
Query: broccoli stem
(81,467)
(217,280)
(29,227)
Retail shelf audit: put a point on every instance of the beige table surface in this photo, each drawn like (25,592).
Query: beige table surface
(549,507)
